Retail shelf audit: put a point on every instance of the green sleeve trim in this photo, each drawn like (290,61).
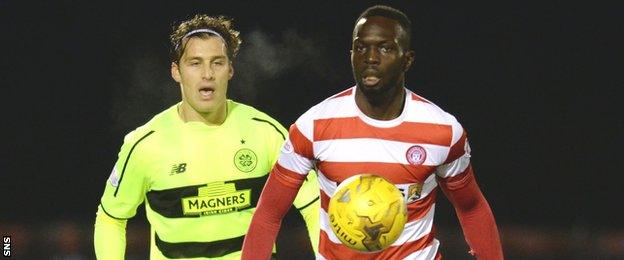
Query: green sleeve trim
(126,162)
(103,209)
(309,203)
(274,126)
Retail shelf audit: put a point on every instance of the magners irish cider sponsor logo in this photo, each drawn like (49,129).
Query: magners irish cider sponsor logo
(216,198)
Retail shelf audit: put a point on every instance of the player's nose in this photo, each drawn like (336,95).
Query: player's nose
(208,73)
(371,56)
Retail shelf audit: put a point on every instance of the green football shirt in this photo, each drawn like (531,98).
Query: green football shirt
(200,183)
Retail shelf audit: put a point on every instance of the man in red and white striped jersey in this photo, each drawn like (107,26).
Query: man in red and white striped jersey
(379,127)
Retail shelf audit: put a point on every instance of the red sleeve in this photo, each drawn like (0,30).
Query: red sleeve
(474,213)
(277,196)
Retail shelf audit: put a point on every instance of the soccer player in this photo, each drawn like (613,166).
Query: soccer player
(200,165)
(379,126)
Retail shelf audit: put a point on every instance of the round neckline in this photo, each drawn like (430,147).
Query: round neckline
(382,123)
(201,125)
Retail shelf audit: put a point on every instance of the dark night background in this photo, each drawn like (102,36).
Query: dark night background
(537,86)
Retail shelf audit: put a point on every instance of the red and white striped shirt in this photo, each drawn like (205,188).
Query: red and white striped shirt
(339,141)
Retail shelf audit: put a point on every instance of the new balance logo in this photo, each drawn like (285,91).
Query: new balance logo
(178,168)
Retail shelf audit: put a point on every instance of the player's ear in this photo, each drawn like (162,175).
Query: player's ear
(175,72)
(231,73)
(409,59)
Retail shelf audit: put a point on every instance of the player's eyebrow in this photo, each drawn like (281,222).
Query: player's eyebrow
(218,57)
(211,58)
(361,40)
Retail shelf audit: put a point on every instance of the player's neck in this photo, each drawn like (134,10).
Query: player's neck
(189,114)
(386,106)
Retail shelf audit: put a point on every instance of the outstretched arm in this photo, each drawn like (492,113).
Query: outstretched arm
(474,213)
(276,198)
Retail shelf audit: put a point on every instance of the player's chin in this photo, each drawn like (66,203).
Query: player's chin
(203,106)
(207,106)
(370,89)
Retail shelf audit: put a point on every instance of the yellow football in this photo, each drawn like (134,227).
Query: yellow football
(367,212)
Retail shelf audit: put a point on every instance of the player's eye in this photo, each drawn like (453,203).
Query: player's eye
(360,49)
(386,49)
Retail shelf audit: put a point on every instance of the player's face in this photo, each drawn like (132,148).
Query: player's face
(203,73)
(377,59)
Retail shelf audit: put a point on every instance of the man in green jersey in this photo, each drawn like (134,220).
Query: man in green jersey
(201,164)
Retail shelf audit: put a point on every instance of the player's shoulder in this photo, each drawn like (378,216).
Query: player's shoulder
(159,123)
(253,119)
(423,110)
(340,104)
(240,111)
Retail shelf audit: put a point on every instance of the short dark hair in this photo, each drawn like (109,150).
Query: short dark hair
(221,24)
(390,13)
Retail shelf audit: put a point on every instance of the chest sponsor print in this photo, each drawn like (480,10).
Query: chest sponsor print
(216,198)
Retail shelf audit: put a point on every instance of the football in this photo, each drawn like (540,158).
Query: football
(367,213)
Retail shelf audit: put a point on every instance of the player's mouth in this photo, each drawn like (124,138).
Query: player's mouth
(206,93)
(370,77)
(370,81)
